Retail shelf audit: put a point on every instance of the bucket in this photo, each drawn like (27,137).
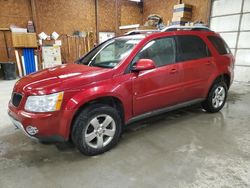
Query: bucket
(9,70)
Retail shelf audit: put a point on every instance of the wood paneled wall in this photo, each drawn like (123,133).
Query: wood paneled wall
(165,9)
(161,7)
(64,16)
(131,13)
(15,12)
(12,12)
(107,15)
(127,13)
(201,9)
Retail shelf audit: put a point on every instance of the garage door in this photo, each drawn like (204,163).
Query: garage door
(231,19)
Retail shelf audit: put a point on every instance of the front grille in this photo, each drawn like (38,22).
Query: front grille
(16,99)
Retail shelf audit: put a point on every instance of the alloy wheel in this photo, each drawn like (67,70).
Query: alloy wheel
(218,97)
(100,131)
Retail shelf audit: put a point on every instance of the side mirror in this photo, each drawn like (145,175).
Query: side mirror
(143,64)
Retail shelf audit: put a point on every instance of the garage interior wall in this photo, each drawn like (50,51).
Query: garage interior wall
(232,20)
(65,16)
(12,12)
(201,9)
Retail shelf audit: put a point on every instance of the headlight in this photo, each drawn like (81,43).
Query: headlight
(44,103)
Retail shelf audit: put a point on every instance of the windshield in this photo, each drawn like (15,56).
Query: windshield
(110,53)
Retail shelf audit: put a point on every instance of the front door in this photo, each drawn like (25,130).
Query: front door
(159,87)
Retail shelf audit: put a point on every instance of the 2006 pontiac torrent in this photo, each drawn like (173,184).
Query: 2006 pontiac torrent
(122,80)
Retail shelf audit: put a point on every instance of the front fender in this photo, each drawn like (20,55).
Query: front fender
(119,88)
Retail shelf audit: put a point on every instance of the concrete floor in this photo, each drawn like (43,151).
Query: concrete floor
(186,148)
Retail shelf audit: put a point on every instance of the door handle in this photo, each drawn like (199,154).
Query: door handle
(173,71)
(208,63)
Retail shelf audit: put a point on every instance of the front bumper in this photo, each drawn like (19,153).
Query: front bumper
(19,125)
(52,127)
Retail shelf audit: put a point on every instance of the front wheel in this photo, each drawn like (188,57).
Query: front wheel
(96,129)
(216,98)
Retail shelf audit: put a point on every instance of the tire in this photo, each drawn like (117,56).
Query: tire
(216,97)
(91,134)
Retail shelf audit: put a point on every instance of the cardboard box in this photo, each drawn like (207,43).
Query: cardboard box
(183,8)
(182,11)
(180,19)
(24,40)
(187,15)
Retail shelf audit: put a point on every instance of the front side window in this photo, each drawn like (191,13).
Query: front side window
(191,47)
(161,51)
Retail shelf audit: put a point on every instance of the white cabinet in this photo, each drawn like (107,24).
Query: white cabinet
(51,56)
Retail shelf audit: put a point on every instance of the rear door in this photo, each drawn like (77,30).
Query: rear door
(159,87)
(196,66)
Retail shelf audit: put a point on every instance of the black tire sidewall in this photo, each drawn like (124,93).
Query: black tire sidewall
(83,119)
(210,106)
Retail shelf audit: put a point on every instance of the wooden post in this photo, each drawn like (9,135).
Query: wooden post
(209,12)
(97,20)
(116,17)
(34,15)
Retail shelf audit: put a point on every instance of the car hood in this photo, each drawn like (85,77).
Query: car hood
(61,78)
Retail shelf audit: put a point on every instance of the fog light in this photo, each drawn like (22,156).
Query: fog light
(31,130)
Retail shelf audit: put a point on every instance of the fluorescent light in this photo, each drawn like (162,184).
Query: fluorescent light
(129,26)
(138,1)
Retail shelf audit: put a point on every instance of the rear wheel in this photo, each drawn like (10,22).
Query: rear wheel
(216,98)
(96,129)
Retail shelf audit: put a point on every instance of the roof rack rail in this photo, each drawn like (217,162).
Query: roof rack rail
(190,28)
(135,32)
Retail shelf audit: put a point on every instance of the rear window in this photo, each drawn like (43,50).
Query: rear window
(219,44)
(191,47)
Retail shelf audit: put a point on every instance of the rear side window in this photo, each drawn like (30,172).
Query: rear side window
(191,47)
(219,44)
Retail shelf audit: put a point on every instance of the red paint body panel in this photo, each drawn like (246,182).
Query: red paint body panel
(156,88)
(138,92)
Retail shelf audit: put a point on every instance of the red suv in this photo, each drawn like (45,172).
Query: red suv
(122,80)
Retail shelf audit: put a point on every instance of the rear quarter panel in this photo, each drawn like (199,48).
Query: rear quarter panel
(224,63)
